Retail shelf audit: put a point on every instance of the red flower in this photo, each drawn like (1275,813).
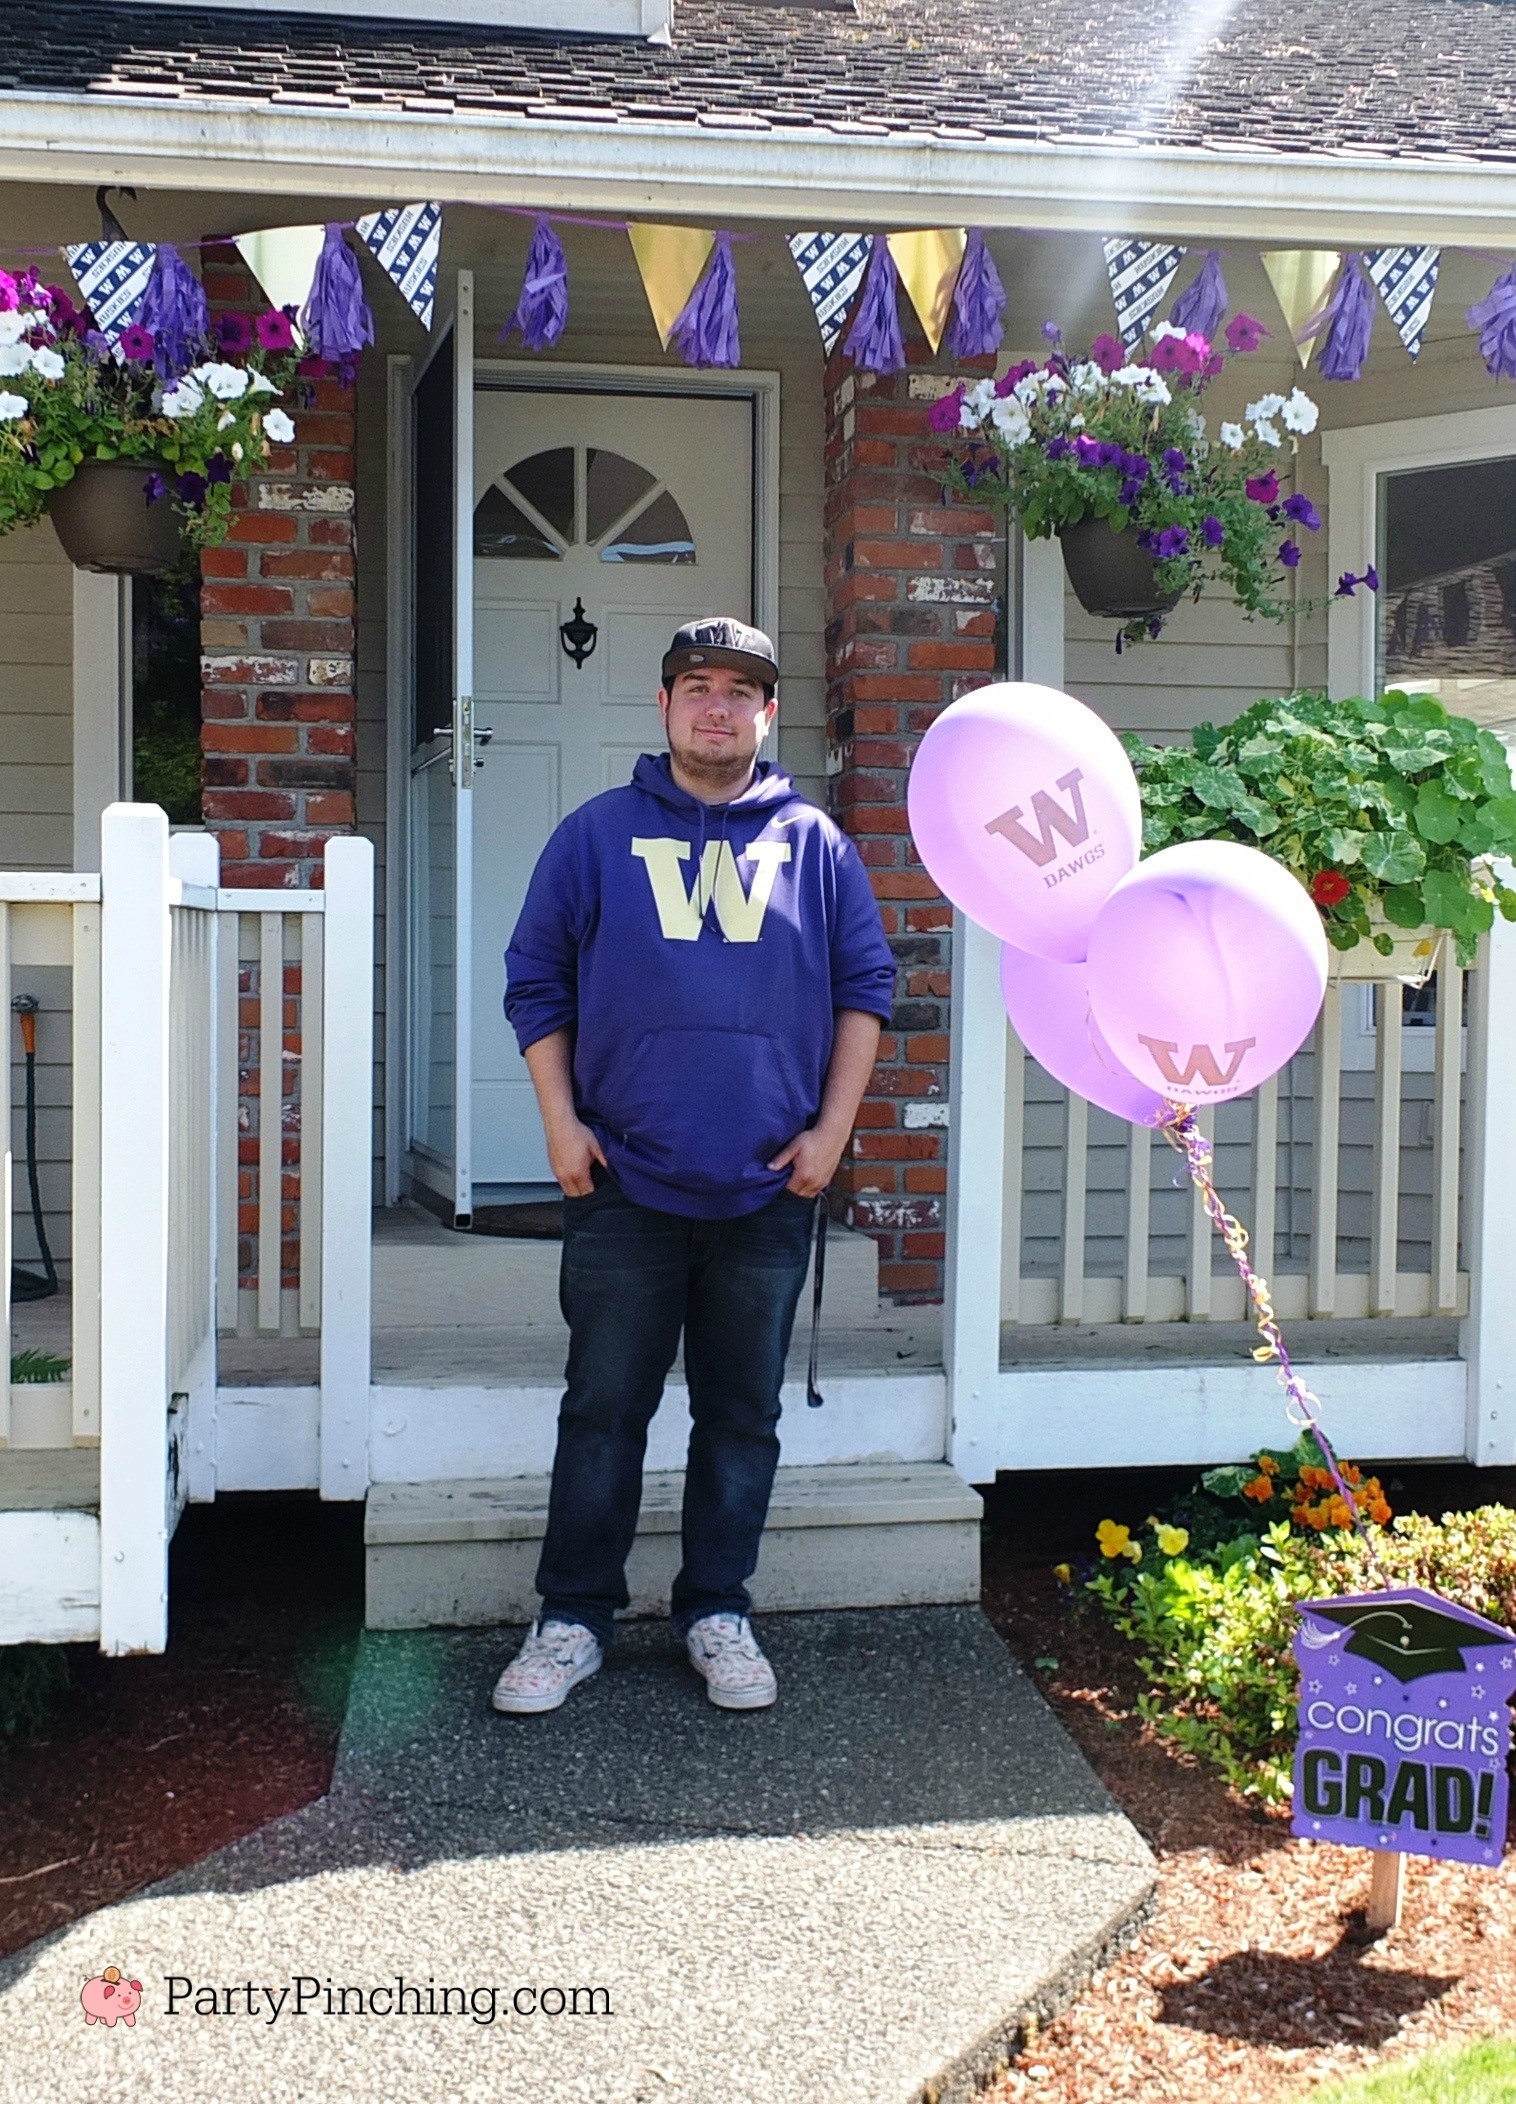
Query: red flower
(276,332)
(1329,887)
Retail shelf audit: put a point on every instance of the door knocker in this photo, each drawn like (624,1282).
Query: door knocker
(578,636)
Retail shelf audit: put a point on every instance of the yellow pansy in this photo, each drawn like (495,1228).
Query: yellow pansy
(1173,1540)
(1133,1552)
(1113,1539)
(1062,1572)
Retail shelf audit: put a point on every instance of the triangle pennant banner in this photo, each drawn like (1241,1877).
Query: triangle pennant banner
(406,241)
(671,259)
(831,269)
(929,262)
(1405,279)
(112,277)
(1141,273)
(283,260)
(1300,278)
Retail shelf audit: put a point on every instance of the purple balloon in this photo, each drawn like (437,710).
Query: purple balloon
(1025,810)
(1049,1007)
(1207,967)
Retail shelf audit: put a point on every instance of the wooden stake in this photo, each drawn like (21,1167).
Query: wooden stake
(1386,1890)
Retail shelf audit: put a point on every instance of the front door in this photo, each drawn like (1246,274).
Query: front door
(601,522)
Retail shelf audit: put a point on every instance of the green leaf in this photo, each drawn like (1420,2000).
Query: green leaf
(1344,845)
(1437,815)
(1395,857)
(1404,906)
(1449,901)
(1501,813)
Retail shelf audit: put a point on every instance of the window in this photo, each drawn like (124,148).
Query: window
(580,497)
(1447,599)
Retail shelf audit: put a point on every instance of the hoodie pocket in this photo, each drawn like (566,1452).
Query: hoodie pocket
(707,1109)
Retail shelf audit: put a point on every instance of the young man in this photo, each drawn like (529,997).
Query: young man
(696,981)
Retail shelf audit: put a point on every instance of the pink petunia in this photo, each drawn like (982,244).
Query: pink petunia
(1244,333)
(10,299)
(276,332)
(137,344)
(1108,352)
(234,333)
(944,412)
(1263,489)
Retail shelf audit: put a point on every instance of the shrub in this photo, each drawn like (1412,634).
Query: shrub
(33,1681)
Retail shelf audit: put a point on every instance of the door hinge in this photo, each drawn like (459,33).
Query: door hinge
(463,741)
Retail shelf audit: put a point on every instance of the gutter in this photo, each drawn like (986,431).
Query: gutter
(734,172)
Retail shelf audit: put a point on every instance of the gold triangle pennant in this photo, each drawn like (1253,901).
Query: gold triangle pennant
(928,262)
(1300,277)
(283,260)
(670,259)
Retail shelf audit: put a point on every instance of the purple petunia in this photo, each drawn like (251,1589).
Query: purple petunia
(1087,451)
(1175,465)
(137,344)
(1131,490)
(192,490)
(276,332)
(1108,352)
(234,333)
(1058,448)
(1051,332)
(1303,512)
(1172,541)
(154,488)
(1289,554)
(1212,532)
(944,412)
(1347,583)
(1263,489)
(1371,578)
(1011,379)
(218,468)
(1243,333)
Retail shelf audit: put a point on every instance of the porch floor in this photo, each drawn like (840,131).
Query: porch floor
(842,1896)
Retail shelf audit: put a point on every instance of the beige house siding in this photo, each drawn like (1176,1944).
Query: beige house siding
(36,701)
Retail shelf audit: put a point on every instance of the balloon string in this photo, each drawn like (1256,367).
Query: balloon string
(1182,1131)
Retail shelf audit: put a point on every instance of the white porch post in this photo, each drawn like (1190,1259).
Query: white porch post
(1488,1337)
(977,1130)
(134,1170)
(102,718)
(347,1146)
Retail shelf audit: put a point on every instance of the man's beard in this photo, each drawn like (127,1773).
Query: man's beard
(719,770)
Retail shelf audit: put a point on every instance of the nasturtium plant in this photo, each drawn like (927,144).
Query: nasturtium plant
(1392,812)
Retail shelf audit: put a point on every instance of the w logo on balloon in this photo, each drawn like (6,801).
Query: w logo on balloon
(1052,821)
(1203,1063)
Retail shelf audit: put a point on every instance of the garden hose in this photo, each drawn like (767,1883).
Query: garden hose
(25,1285)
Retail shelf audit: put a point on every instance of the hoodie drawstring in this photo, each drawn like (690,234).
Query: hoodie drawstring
(813,1394)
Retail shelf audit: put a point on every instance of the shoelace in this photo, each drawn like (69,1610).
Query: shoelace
(556,1650)
(723,1635)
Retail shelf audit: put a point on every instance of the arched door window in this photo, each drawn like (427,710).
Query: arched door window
(580,497)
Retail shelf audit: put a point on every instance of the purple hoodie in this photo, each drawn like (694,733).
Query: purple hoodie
(698,951)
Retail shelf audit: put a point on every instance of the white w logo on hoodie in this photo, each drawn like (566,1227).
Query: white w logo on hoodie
(681,912)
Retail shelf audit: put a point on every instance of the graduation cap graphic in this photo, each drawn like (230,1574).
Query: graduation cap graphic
(1409,1634)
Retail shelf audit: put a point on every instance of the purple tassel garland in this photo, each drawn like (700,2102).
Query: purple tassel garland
(1495,318)
(1201,308)
(706,330)
(979,303)
(1344,324)
(874,341)
(336,316)
(174,308)
(542,310)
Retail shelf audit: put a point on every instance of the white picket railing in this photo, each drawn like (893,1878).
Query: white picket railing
(154,945)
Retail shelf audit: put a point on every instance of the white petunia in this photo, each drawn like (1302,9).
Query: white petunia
(1232,435)
(15,358)
(228,383)
(1076,423)
(260,383)
(12,406)
(12,327)
(1161,329)
(1009,419)
(1299,413)
(1266,406)
(49,364)
(976,405)
(225,421)
(278,427)
(1086,379)
(184,397)
(1154,391)
(1264,430)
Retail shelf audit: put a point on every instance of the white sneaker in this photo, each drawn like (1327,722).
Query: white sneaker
(724,1652)
(550,1662)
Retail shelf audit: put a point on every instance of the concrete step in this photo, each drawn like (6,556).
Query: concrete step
(463,1553)
(427,1276)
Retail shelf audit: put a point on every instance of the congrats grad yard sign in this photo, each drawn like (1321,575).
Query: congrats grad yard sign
(1405,1725)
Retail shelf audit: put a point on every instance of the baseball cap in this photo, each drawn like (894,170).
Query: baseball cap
(718,640)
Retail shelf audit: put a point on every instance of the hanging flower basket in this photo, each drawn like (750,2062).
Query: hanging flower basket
(104,520)
(1112,576)
(1414,956)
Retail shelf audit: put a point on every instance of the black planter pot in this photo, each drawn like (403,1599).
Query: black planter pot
(105,522)
(1110,574)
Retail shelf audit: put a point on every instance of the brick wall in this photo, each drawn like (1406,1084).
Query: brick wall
(277,639)
(911,585)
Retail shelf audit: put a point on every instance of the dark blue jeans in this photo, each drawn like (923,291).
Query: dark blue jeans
(631,1279)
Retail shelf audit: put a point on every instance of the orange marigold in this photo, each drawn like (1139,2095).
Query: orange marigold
(1267,1465)
(1260,1489)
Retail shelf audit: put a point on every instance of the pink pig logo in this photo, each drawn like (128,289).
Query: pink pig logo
(109,1999)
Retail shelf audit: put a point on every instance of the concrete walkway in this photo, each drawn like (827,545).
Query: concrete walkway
(852,1898)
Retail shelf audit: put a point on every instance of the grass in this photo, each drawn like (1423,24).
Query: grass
(1483,2073)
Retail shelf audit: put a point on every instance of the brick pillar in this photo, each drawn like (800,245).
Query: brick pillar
(910,626)
(277,637)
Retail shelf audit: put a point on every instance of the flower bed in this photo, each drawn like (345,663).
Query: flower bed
(1106,437)
(196,411)
(1390,811)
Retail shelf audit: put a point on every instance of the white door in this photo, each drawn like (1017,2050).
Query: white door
(601,522)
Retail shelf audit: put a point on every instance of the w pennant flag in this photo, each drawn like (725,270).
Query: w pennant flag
(406,241)
(112,278)
(1405,279)
(1141,273)
(831,269)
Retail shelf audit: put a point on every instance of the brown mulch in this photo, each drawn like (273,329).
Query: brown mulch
(148,1764)
(1255,1980)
